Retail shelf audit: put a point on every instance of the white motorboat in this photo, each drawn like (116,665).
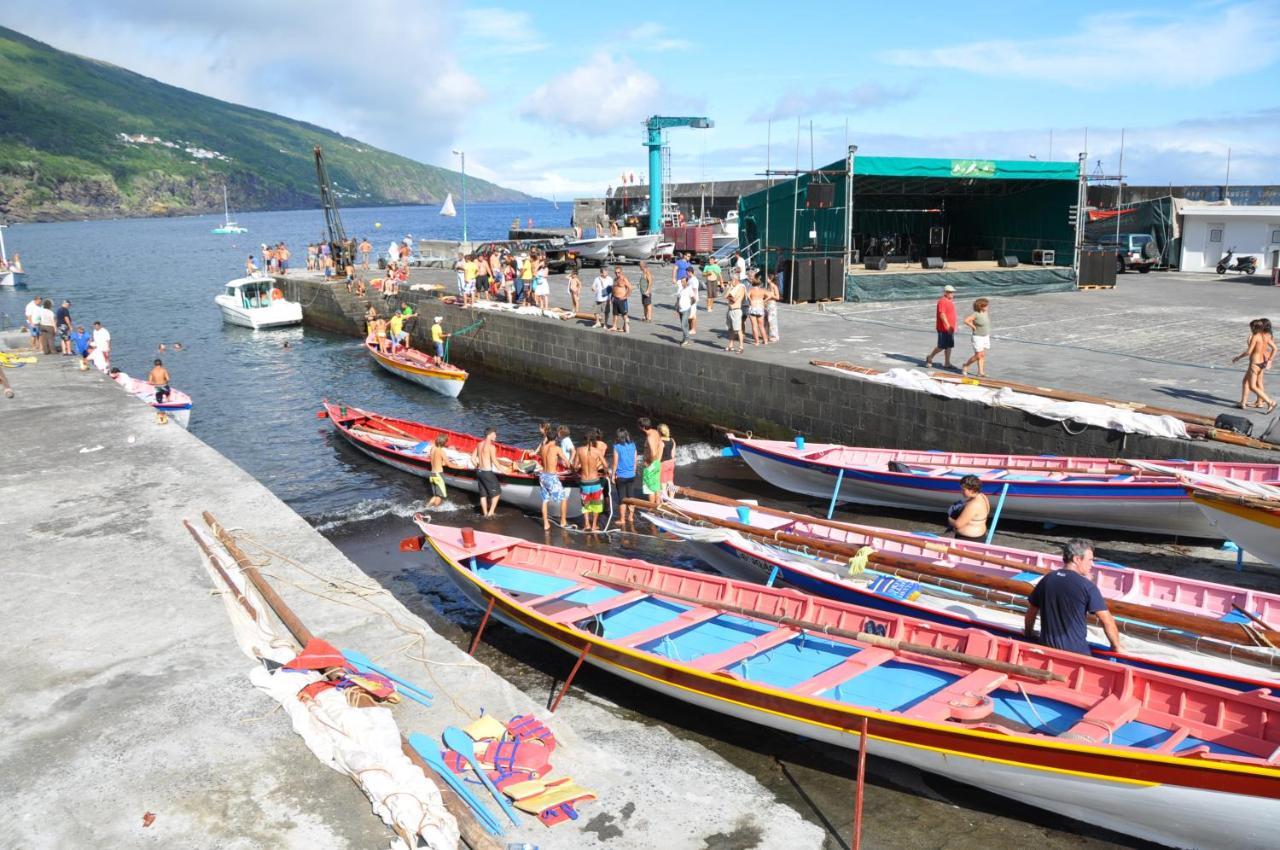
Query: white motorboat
(257,302)
(11,274)
(228,226)
(592,250)
(636,247)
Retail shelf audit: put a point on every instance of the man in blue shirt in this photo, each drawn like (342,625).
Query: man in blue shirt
(80,342)
(1065,598)
(681,268)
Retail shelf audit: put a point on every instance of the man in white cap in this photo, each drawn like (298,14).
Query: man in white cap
(438,336)
(946,327)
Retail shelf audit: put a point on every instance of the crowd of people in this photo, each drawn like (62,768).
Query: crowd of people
(53,331)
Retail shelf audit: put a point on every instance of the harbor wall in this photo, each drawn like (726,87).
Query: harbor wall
(705,386)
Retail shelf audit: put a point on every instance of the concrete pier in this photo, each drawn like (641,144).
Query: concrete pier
(1146,341)
(129,695)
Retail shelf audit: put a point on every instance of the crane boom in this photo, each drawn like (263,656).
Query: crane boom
(340,247)
(655,125)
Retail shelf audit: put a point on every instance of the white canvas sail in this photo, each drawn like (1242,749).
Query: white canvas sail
(448,209)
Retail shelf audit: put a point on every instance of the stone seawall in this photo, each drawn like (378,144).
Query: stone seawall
(708,386)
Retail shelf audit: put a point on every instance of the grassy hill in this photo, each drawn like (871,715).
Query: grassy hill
(84,139)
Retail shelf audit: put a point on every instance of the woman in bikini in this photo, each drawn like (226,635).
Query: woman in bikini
(1260,351)
(967,519)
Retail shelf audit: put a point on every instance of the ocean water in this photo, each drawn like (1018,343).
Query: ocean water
(152,281)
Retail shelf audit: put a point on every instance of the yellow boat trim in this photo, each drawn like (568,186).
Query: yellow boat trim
(449,375)
(1244,512)
(1048,744)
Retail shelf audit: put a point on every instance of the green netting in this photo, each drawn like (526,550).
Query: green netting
(968,284)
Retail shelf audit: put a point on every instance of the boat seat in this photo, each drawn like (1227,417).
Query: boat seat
(746,649)
(581,612)
(938,708)
(1100,723)
(855,664)
(682,621)
(1171,743)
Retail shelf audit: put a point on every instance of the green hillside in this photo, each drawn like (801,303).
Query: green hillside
(64,153)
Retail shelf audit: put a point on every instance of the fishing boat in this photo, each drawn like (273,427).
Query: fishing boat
(964,584)
(1152,756)
(1252,523)
(591,250)
(177,406)
(11,274)
(1060,489)
(447,209)
(228,226)
(421,368)
(406,445)
(257,302)
(636,247)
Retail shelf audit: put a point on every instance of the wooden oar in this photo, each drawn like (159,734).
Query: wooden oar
(473,834)
(864,637)
(938,546)
(1193,623)
(1261,623)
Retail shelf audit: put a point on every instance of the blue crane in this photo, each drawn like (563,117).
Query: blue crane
(655,125)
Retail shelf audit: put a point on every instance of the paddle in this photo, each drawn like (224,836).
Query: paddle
(430,752)
(818,628)
(413,692)
(460,742)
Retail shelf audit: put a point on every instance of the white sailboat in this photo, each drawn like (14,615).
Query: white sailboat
(448,209)
(11,273)
(228,226)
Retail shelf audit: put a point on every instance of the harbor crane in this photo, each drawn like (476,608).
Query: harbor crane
(340,247)
(655,125)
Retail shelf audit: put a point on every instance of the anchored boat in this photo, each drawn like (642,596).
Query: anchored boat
(1145,754)
(406,445)
(1173,624)
(256,302)
(11,273)
(228,226)
(1066,490)
(421,368)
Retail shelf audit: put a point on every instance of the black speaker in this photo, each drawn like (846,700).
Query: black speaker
(803,277)
(820,196)
(931,263)
(875,264)
(1007,261)
(835,278)
(936,237)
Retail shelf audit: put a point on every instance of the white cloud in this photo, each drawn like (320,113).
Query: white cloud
(506,31)
(598,97)
(652,36)
(400,86)
(833,101)
(1178,49)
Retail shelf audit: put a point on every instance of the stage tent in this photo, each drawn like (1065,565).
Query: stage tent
(986,208)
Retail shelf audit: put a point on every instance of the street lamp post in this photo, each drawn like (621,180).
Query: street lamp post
(463,154)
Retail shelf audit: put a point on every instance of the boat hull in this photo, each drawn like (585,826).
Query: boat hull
(636,247)
(595,250)
(1254,530)
(1129,800)
(446,382)
(13,280)
(1156,508)
(281,315)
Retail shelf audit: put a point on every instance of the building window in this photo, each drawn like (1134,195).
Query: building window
(1275,237)
(1215,234)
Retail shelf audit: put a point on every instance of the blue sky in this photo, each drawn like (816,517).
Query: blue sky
(549,97)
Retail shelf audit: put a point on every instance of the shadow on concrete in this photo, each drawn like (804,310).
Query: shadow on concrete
(1195,395)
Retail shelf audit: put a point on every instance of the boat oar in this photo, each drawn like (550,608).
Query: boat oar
(818,628)
(1193,623)
(460,742)
(413,692)
(1252,616)
(430,752)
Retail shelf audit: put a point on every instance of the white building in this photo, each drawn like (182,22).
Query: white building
(1208,232)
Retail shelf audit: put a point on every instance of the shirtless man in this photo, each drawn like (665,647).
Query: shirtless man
(438,491)
(158,377)
(756,298)
(485,458)
(733,311)
(552,460)
(621,308)
(365,250)
(646,291)
(588,462)
(651,472)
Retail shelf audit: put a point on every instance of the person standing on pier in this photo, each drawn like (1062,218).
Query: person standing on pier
(755,311)
(733,299)
(651,475)
(691,278)
(945,323)
(602,287)
(621,305)
(1261,350)
(646,291)
(100,355)
(980,323)
(686,300)
(552,460)
(485,459)
(438,490)
(80,344)
(282,258)
(772,296)
(624,475)
(574,288)
(711,275)
(48,324)
(62,323)
(681,268)
(1064,599)
(365,250)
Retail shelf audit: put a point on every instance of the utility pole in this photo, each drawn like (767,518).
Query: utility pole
(1120,185)
(463,154)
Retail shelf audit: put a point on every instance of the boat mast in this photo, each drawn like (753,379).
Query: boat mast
(4,258)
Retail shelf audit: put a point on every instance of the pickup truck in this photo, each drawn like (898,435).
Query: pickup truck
(1134,251)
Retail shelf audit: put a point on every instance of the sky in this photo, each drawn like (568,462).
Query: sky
(550,97)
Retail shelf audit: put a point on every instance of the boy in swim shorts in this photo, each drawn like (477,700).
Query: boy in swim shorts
(438,491)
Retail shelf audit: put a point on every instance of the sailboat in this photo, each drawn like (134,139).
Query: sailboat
(228,226)
(11,273)
(448,209)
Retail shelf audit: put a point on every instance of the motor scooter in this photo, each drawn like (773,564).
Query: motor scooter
(1243,264)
